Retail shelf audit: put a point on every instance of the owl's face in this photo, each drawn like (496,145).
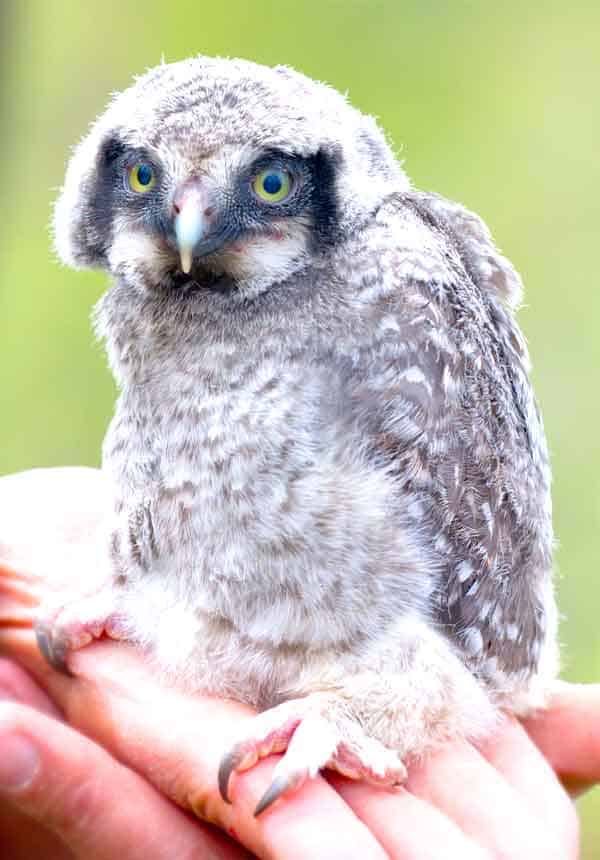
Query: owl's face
(240,215)
(220,174)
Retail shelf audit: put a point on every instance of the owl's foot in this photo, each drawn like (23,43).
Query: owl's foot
(315,732)
(75,625)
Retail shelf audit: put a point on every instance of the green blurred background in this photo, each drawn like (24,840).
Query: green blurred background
(495,105)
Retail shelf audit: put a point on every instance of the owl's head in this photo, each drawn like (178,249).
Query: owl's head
(213,171)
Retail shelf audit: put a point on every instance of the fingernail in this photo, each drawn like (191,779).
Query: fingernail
(19,762)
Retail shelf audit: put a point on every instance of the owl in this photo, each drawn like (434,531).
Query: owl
(330,483)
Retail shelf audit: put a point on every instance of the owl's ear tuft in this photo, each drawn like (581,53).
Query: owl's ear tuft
(83,213)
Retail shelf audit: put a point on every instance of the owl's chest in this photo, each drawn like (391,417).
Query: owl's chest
(227,457)
(251,504)
(198,472)
(190,445)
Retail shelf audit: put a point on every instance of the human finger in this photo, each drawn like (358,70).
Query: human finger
(406,826)
(18,686)
(514,755)
(77,790)
(458,781)
(567,733)
(22,839)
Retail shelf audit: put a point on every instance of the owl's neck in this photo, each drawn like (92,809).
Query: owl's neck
(208,340)
(155,335)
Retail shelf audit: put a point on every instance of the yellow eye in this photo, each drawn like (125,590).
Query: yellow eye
(141,177)
(272,186)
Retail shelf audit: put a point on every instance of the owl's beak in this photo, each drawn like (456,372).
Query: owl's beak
(191,221)
(200,221)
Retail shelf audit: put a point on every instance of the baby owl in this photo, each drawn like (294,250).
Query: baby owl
(330,478)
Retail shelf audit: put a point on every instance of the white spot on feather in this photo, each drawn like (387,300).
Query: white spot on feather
(512,632)
(473,641)
(464,570)
(416,376)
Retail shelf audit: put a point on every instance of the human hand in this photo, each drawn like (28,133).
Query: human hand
(64,796)
(501,801)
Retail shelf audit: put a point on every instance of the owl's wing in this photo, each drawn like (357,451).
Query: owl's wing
(453,412)
(484,263)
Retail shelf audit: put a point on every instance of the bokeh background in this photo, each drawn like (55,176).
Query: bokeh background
(493,104)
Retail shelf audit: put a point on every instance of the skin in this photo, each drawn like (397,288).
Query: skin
(116,724)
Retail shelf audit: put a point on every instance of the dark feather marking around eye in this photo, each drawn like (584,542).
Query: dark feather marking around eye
(323,167)
(94,226)
(113,149)
(317,192)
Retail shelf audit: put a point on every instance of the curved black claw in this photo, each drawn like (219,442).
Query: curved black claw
(278,787)
(53,648)
(228,764)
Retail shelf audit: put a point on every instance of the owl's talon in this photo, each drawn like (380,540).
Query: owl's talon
(54,649)
(278,787)
(228,764)
(61,630)
(312,734)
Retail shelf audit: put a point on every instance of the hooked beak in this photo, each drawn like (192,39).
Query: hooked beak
(201,226)
(191,221)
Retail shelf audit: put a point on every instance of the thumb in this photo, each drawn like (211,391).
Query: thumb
(99,808)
